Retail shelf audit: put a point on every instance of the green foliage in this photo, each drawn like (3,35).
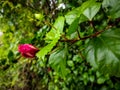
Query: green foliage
(52,37)
(72,28)
(103,52)
(92,11)
(79,44)
(57,61)
(114,10)
(72,15)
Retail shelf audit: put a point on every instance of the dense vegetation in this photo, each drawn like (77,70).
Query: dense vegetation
(78,41)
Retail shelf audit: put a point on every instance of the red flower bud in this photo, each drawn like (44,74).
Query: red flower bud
(27,50)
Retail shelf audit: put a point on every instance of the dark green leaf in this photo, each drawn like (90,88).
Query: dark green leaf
(73,26)
(10,55)
(57,61)
(113,7)
(103,52)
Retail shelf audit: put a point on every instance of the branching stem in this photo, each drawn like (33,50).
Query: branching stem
(86,37)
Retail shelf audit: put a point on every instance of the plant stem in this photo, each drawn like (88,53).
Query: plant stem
(86,37)
(92,25)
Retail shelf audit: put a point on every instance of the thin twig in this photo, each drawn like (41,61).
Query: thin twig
(48,23)
(86,37)
(92,25)
(78,34)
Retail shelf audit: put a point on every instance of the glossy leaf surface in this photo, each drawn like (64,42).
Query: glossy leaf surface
(103,52)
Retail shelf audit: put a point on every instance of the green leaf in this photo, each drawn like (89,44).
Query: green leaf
(73,26)
(92,78)
(57,61)
(113,7)
(52,86)
(103,52)
(107,3)
(101,80)
(56,29)
(10,55)
(92,11)
(72,15)
(70,63)
(83,18)
(53,36)
(46,49)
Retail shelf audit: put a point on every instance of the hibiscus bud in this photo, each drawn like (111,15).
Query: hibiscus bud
(27,50)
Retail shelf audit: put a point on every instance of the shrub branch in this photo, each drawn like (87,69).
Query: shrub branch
(86,37)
